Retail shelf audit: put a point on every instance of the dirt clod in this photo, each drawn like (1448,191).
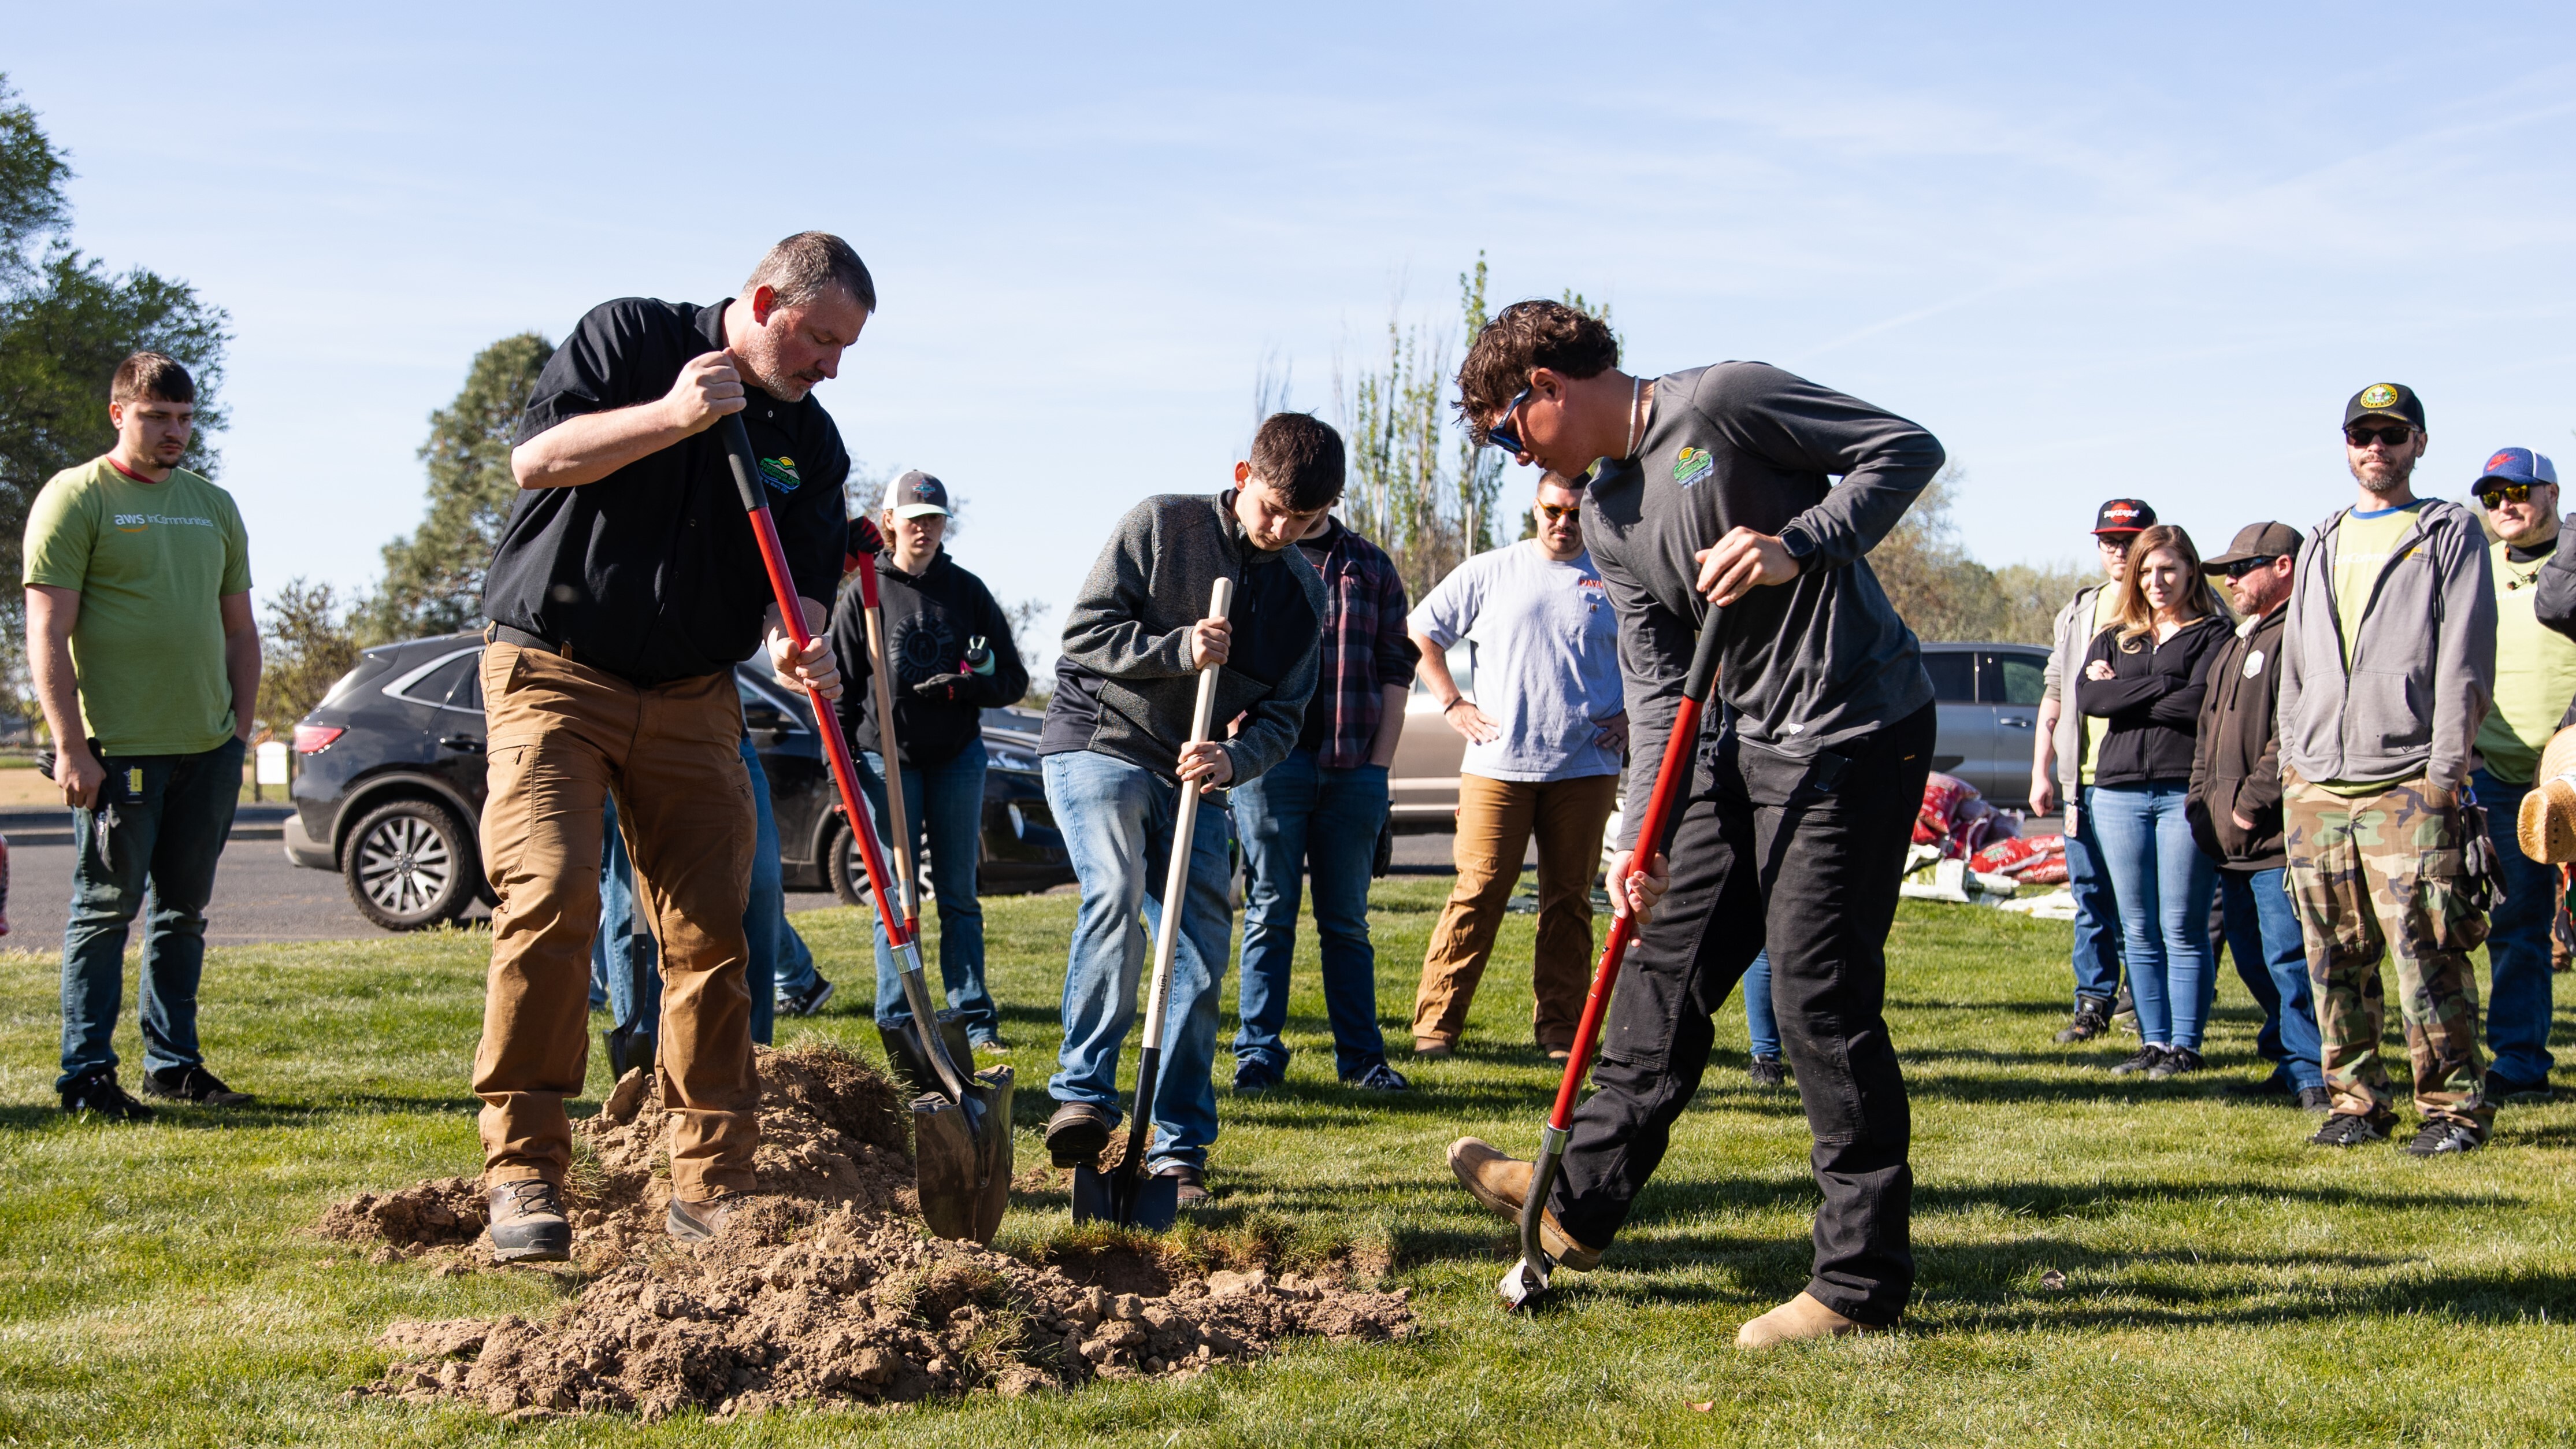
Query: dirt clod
(825,1289)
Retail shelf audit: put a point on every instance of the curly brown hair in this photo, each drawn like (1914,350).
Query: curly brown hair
(1523,337)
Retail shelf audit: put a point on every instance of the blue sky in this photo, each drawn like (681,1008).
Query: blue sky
(2149,252)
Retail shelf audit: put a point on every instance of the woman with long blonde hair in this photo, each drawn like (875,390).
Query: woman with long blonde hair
(2144,677)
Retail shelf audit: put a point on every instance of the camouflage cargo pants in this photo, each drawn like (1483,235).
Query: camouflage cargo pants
(2383,874)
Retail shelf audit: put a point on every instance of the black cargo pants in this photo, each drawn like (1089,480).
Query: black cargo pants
(1803,855)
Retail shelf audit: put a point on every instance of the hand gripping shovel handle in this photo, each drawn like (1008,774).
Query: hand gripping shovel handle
(1129,1174)
(1528,1277)
(836,748)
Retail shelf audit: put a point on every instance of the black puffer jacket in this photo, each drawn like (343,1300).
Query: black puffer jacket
(930,619)
(2151,703)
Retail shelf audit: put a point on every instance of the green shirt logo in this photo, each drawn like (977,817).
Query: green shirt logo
(1691,465)
(781,474)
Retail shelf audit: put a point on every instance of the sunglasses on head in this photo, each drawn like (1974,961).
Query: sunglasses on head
(1556,512)
(2394,437)
(2244,566)
(2497,495)
(1503,434)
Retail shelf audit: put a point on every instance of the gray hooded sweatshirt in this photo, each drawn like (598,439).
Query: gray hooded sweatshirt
(2423,661)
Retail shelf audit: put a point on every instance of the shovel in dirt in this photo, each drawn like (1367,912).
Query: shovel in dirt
(1124,1194)
(962,1124)
(1528,1278)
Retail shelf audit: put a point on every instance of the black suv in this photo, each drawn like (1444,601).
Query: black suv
(389,788)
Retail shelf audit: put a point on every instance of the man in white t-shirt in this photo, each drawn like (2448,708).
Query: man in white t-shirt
(1546,738)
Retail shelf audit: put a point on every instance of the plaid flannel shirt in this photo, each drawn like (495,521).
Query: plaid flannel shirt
(1365,649)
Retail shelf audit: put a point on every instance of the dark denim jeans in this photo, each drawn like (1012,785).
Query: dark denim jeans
(775,952)
(945,803)
(2519,1001)
(2165,885)
(2097,908)
(1299,820)
(2272,958)
(152,852)
(1761,1024)
(1117,822)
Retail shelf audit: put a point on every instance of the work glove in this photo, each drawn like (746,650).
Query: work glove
(942,688)
(865,541)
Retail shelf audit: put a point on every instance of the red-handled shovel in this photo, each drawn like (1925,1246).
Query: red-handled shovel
(1527,1279)
(962,1129)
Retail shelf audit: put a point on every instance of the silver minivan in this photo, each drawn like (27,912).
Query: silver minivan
(1988,697)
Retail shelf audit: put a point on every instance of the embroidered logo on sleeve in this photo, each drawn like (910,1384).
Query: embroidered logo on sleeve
(1691,465)
(780,474)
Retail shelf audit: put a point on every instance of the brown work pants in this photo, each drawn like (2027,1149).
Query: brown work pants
(562,737)
(1495,821)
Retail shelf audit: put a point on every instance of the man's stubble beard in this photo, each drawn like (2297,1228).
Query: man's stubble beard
(2399,475)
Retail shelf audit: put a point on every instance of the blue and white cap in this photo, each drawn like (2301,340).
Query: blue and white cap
(2520,465)
(917,495)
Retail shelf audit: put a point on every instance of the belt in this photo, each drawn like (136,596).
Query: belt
(497,633)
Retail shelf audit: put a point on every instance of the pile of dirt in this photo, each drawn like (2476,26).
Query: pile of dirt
(826,1290)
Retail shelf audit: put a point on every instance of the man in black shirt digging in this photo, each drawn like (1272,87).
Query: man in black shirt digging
(1713,509)
(625,588)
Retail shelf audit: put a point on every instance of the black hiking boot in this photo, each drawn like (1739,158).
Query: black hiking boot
(528,1223)
(2352,1129)
(2501,1088)
(2443,1137)
(1254,1075)
(1190,1183)
(2274,1088)
(2092,1018)
(2315,1099)
(2124,1011)
(193,1084)
(808,1001)
(2176,1061)
(98,1095)
(1767,1072)
(2146,1058)
(1379,1077)
(1076,1133)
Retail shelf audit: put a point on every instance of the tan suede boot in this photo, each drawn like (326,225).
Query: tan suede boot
(1502,1183)
(1800,1318)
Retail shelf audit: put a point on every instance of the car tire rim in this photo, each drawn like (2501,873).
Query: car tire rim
(405,866)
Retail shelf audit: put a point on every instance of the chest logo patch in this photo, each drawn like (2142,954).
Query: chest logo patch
(780,473)
(1691,465)
(2254,664)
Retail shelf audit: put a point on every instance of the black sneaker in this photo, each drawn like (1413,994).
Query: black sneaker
(2352,1129)
(1254,1075)
(1378,1078)
(2501,1088)
(98,1095)
(1076,1133)
(808,1001)
(2092,1018)
(2146,1059)
(2442,1136)
(2274,1087)
(528,1223)
(2176,1061)
(1192,1189)
(2316,1099)
(1767,1072)
(193,1084)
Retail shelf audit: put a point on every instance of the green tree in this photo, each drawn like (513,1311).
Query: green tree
(434,578)
(305,646)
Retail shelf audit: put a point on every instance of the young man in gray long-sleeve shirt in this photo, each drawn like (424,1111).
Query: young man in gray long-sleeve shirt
(1713,508)
(1117,756)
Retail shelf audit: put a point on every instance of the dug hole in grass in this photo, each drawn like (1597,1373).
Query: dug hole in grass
(2103,1261)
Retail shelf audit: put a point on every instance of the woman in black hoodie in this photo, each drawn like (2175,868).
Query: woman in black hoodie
(952,658)
(2144,677)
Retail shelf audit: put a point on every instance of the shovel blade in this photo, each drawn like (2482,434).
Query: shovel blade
(626,1050)
(1150,1203)
(961,1157)
(1523,1285)
(912,1071)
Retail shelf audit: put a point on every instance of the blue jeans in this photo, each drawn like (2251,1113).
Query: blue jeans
(2163,883)
(153,853)
(1759,1023)
(945,802)
(773,949)
(2097,908)
(1298,820)
(2518,987)
(1117,821)
(2263,937)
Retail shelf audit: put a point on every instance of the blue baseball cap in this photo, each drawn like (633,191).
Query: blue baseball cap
(2520,465)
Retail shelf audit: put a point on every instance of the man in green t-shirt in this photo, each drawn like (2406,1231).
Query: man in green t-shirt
(146,661)
(2387,667)
(2535,677)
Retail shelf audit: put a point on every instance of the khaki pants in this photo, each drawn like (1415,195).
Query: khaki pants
(1495,821)
(561,737)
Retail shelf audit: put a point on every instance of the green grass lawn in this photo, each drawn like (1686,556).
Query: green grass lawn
(2222,1283)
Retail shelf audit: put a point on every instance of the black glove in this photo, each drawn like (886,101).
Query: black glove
(942,688)
(864,540)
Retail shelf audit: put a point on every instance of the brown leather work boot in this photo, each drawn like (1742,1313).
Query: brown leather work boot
(699,1222)
(1800,1318)
(1501,1183)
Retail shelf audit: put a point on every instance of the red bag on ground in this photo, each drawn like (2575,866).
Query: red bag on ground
(2032,859)
(1942,797)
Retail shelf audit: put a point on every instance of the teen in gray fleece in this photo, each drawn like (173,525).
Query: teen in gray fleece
(1714,507)
(1117,757)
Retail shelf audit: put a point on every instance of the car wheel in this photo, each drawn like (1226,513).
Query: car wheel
(410,864)
(843,868)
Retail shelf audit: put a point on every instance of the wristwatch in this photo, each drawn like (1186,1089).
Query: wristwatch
(1800,543)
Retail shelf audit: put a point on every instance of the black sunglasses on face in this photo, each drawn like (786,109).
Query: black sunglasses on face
(2363,437)
(2497,495)
(1502,434)
(2244,566)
